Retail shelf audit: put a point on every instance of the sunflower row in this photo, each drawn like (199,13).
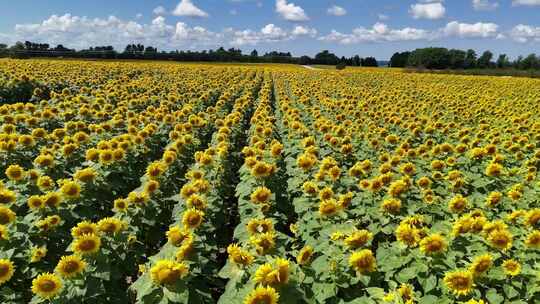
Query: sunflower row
(185,268)
(108,240)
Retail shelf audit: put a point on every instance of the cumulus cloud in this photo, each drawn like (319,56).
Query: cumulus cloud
(82,32)
(471,30)
(187,8)
(160,10)
(525,2)
(304,31)
(525,33)
(383,17)
(270,33)
(379,32)
(336,11)
(290,11)
(431,10)
(484,5)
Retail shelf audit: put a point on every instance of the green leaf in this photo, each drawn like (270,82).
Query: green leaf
(324,291)
(493,297)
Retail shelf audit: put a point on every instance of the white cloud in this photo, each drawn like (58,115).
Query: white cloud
(525,2)
(484,5)
(379,32)
(471,30)
(139,16)
(160,10)
(525,33)
(336,11)
(304,31)
(432,10)
(187,8)
(290,11)
(270,33)
(383,17)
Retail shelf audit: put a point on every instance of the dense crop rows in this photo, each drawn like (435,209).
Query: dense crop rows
(166,183)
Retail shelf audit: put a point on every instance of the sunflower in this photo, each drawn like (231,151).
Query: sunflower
(511,267)
(192,218)
(196,201)
(260,195)
(70,266)
(328,207)
(166,272)
(111,225)
(176,236)
(6,270)
(35,202)
(86,244)
(358,238)
(15,172)
(500,239)
(433,244)
(493,199)
(262,169)
(396,188)
(310,188)
(458,204)
(71,190)
(7,196)
(6,215)
(306,161)
(47,285)
(255,226)
(481,264)
(263,242)
(391,205)
(120,205)
(532,217)
(459,282)
(406,292)
(326,193)
(4,234)
(45,183)
(363,261)
(86,175)
(533,239)
(494,169)
(407,235)
(304,255)
(239,256)
(37,253)
(262,295)
(156,169)
(84,227)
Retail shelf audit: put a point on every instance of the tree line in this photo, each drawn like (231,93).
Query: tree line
(442,58)
(29,49)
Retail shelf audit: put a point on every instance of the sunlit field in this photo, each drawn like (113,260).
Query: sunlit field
(160,182)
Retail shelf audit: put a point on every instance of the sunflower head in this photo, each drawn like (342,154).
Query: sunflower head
(433,244)
(481,264)
(363,261)
(192,218)
(305,255)
(262,295)
(87,244)
(459,282)
(47,285)
(6,270)
(166,272)
(70,266)
(511,267)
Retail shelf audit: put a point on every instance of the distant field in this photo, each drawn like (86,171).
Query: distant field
(157,182)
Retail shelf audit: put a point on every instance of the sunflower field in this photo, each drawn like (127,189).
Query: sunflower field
(132,182)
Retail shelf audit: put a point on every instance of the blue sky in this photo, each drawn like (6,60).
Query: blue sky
(347,27)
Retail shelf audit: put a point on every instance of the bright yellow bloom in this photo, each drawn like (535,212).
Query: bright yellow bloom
(86,244)
(459,282)
(70,266)
(7,269)
(47,285)
(262,295)
(511,267)
(363,261)
(166,272)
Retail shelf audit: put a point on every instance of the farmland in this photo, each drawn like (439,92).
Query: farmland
(132,182)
